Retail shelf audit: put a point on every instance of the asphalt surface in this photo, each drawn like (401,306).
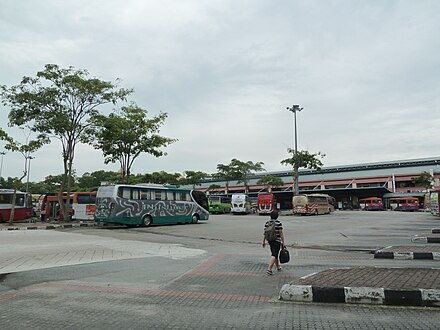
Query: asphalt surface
(165,281)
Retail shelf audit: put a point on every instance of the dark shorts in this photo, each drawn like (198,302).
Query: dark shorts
(275,247)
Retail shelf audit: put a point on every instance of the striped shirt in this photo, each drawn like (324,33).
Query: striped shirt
(278,227)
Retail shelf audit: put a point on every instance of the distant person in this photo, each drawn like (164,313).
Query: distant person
(275,241)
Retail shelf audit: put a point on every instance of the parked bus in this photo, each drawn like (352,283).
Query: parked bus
(407,204)
(266,203)
(433,196)
(240,204)
(81,206)
(371,204)
(23,205)
(148,204)
(313,204)
(219,204)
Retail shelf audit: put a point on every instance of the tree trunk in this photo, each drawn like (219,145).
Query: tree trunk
(63,207)
(14,198)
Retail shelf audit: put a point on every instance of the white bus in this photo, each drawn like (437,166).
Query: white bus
(147,204)
(240,204)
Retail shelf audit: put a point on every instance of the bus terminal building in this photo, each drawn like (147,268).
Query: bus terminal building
(346,183)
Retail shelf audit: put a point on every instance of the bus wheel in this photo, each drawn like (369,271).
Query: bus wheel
(195,218)
(146,221)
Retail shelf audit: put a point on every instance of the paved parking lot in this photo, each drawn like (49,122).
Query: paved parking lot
(219,282)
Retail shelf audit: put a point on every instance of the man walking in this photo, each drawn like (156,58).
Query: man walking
(273,234)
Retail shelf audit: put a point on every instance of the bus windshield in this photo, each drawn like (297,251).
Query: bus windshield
(200,198)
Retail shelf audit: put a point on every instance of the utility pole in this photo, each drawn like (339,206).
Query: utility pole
(2,153)
(295,108)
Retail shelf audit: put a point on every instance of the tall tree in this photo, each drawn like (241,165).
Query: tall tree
(425,179)
(225,172)
(60,103)
(194,177)
(123,138)
(302,159)
(243,170)
(270,181)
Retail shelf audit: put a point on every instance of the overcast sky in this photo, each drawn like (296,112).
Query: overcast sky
(366,72)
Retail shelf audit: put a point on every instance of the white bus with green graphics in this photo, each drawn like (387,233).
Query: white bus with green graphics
(149,204)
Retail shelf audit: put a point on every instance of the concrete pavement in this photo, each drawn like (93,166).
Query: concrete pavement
(24,250)
(367,285)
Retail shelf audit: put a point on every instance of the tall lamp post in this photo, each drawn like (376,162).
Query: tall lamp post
(2,153)
(29,158)
(295,108)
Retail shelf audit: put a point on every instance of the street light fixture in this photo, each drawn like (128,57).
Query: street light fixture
(295,108)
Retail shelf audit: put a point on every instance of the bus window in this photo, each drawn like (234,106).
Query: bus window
(84,199)
(135,194)
(159,195)
(145,194)
(126,193)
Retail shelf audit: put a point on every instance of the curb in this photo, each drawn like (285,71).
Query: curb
(360,295)
(407,255)
(48,227)
(398,286)
(427,239)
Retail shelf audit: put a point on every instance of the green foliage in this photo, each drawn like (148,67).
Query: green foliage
(213,187)
(7,183)
(122,138)
(425,180)
(270,182)
(194,177)
(163,177)
(304,159)
(237,170)
(243,170)
(61,103)
(92,181)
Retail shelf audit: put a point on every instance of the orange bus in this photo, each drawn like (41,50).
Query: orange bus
(371,204)
(82,206)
